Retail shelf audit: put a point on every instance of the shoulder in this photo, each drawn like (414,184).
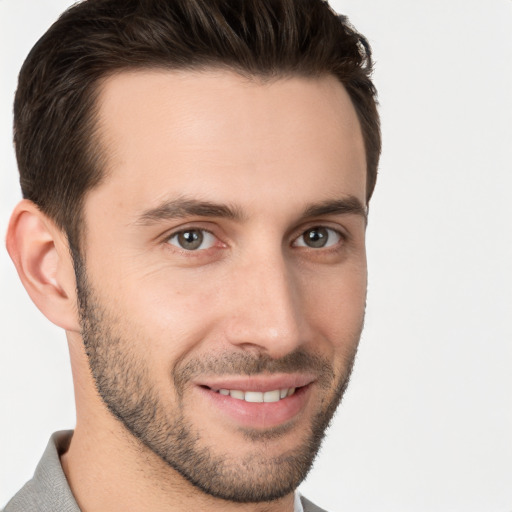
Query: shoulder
(309,506)
(48,491)
(26,500)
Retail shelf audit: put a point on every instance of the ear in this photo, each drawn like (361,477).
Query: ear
(40,252)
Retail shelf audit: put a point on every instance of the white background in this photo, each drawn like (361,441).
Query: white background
(427,422)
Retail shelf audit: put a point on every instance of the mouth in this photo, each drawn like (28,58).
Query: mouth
(274,395)
(258,402)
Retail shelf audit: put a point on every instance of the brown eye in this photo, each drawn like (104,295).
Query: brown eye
(318,238)
(192,239)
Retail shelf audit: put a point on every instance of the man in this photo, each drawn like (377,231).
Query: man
(196,176)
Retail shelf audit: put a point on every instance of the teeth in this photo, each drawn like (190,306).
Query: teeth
(253,396)
(258,396)
(272,396)
(240,395)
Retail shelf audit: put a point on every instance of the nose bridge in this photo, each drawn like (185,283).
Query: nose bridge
(267,305)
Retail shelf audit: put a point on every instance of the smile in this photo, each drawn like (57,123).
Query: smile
(257,402)
(257,396)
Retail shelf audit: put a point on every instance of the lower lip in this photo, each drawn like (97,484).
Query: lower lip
(259,415)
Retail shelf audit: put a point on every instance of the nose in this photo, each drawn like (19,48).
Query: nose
(266,313)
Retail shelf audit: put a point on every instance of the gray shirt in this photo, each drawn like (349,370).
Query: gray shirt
(48,491)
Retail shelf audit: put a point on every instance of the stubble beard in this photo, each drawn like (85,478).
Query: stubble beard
(123,382)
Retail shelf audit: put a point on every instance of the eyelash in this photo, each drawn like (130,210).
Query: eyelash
(340,237)
(202,233)
(213,239)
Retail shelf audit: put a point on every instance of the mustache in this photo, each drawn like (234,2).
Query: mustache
(243,363)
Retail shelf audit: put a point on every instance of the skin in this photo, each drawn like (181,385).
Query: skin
(254,291)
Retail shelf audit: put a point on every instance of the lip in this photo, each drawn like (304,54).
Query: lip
(261,415)
(257,382)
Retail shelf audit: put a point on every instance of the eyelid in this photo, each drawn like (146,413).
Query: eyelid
(339,235)
(208,238)
(341,230)
(208,227)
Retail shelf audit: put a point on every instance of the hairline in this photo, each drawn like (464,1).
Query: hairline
(95,135)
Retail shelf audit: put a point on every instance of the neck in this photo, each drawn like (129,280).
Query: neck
(109,470)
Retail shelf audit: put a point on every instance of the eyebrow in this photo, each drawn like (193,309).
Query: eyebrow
(186,207)
(348,205)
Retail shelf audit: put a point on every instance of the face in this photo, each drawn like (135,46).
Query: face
(223,280)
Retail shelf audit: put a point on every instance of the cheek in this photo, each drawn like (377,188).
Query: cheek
(172,314)
(335,306)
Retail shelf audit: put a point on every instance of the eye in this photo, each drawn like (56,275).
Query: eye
(193,239)
(318,238)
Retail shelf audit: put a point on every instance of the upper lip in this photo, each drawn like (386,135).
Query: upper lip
(256,382)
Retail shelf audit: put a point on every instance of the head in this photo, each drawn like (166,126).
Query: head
(209,164)
(55,113)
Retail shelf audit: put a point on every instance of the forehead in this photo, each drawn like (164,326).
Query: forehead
(215,133)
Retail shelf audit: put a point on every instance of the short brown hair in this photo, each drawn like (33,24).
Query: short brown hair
(58,154)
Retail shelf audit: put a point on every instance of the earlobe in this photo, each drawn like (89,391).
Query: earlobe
(40,253)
